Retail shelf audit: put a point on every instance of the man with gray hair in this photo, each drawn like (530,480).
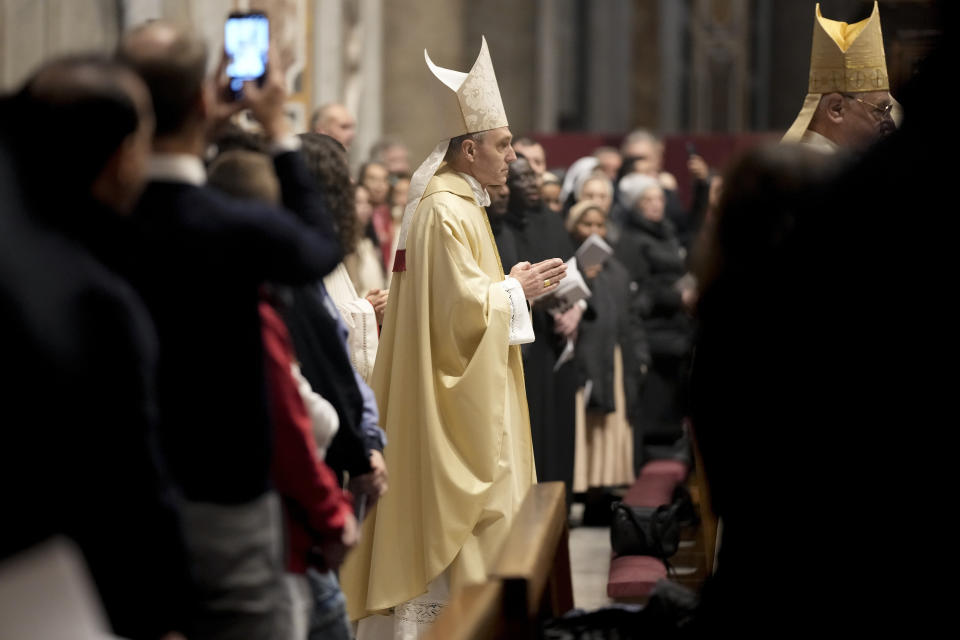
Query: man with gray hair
(391,153)
(333,119)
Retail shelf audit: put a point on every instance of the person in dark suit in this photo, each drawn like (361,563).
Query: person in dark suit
(199,262)
(551,389)
(79,349)
(502,234)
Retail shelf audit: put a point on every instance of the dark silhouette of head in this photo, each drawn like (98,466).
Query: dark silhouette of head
(81,127)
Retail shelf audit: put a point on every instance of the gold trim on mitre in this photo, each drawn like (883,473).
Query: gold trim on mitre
(844,58)
(477,105)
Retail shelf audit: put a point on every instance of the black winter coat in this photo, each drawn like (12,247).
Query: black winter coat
(654,258)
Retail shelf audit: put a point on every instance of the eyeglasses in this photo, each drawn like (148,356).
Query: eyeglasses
(878,111)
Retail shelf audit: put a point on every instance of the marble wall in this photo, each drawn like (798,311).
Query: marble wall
(32,31)
(408,28)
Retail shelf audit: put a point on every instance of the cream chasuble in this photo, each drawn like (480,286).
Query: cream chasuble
(451,395)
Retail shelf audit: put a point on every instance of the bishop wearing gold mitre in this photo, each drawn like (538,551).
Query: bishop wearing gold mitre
(448,376)
(848,103)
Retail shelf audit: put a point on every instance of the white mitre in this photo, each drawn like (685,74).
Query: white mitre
(471,105)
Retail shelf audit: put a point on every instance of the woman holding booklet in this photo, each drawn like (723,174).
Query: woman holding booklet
(611,355)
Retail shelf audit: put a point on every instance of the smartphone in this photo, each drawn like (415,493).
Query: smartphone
(246,39)
(691,148)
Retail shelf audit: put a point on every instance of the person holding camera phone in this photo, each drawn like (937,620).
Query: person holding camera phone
(198,262)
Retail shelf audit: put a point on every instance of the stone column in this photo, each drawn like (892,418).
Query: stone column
(720,58)
(511,31)
(611,56)
(671,35)
(364,91)
(327,51)
(547,68)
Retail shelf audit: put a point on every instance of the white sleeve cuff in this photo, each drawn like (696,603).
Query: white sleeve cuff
(521,326)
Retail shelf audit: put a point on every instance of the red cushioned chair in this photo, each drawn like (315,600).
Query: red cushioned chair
(655,484)
(632,578)
(673,468)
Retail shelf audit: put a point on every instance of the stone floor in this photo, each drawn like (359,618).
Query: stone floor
(589,563)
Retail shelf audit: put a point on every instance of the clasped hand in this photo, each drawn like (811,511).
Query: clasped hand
(540,278)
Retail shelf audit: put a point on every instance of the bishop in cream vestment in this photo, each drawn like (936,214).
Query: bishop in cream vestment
(451,394)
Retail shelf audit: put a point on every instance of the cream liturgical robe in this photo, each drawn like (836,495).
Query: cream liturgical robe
(451,395)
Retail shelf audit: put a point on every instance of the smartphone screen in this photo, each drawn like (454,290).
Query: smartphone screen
(246,39)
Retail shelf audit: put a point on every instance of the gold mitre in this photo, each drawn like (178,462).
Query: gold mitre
(845,58)
(475,104)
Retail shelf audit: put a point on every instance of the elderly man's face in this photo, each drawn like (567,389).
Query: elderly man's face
(867,117)
(397,159)
(536,155)
(339,124)
(646,157)
(523,181)
(609,163)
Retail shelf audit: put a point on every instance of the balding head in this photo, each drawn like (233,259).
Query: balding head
(86,124)
(173,63)
(334,120)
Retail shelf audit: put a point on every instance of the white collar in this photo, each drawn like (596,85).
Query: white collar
(819,142)
(479,193)
(177,167)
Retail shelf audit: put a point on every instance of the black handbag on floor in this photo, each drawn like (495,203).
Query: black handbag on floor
(645,531)
(686,511)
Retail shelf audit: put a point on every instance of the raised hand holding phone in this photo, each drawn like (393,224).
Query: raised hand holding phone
(246,40)
(266,100)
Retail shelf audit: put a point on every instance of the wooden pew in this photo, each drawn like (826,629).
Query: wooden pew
(473,613)
(708,520)
(534,563)
(529,581)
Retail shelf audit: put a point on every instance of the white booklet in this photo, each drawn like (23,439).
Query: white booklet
(571,289)
(593,251)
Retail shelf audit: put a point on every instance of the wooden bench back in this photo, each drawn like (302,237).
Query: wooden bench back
(535,557)
(529,580)
(473,613)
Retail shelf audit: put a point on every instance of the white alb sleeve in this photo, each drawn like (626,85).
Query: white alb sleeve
(521,326)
